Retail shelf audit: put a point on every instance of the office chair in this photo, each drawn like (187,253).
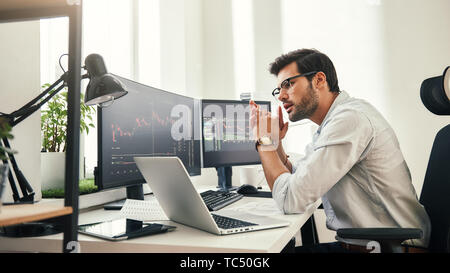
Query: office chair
(435,195)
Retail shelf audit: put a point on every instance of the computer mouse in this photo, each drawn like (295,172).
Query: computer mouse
(246,189)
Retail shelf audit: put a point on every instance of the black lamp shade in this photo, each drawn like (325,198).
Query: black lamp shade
(435,93)
(103,87)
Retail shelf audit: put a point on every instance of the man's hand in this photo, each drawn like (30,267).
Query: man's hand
(283,126)
(263,124)
(258,117)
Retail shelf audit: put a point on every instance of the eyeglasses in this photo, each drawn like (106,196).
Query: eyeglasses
(286,84)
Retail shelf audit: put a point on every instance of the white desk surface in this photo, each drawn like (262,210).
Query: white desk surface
(183,239)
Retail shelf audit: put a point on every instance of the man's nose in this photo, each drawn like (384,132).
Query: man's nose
(283,95)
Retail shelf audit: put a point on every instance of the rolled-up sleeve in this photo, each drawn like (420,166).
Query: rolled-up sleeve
(332,155)
(279,189)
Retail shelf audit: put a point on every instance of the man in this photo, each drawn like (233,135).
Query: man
(354,162)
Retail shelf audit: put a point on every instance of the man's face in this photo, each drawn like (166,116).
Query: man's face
(300,100)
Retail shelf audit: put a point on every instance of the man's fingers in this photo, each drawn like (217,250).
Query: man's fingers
(253,105)
(280,116)
(285,127)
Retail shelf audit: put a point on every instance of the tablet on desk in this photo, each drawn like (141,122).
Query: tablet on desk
(122,229)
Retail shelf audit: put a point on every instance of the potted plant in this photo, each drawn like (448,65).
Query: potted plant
(54,137)
(5,130)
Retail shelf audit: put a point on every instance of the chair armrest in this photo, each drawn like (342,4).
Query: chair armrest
(380,234)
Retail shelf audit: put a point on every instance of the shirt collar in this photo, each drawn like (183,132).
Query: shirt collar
(342,97)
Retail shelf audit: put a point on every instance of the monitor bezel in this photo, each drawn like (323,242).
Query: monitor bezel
(203,139)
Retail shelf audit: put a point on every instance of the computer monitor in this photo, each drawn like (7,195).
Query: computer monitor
(226,138)
(146,122)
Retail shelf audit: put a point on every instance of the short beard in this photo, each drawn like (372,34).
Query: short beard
(306,107)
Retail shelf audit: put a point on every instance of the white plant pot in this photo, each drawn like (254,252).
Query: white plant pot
(52,170)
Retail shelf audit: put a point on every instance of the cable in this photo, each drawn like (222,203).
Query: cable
(60,62)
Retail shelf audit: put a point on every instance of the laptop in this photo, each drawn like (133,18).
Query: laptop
(173,188)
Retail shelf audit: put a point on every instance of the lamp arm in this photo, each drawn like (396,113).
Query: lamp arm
(27,106)
(29,111)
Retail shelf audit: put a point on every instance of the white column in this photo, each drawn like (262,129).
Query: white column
(20,82)
(218,58)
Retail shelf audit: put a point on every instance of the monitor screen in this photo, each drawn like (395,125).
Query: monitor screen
(145,122)
(226,133)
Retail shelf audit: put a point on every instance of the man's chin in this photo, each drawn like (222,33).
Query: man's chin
(295,118)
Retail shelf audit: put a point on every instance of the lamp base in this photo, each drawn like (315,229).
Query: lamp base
(32,229)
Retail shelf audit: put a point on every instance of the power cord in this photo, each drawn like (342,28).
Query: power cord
(60,65)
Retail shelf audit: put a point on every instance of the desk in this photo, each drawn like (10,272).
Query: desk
(183,239)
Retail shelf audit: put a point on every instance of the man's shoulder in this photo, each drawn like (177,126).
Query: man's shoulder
(354,111)
(360,111)
(366,112)
(346,122)
(356,104)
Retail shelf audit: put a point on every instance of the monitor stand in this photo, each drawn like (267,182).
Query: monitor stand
(133,192)
(225,175)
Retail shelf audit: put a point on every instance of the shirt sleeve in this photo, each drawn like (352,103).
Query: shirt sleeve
(342,142)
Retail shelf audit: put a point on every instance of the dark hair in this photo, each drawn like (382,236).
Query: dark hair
(308,60)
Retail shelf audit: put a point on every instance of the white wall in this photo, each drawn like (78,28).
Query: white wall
(350,33)
(268,44)
(382,51)
(194,48)
(181,47)
(218,58)
(20,82)
(417,46)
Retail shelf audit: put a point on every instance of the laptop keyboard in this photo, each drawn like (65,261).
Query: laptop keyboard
(216,200)
(227,223)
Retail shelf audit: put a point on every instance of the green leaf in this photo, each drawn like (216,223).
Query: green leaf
(54,119)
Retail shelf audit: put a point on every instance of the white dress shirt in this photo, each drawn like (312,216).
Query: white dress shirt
(355,165)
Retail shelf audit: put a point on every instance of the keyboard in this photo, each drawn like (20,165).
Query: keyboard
(227,223)
(216,200)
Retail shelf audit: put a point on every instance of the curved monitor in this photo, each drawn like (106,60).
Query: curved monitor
(146,122)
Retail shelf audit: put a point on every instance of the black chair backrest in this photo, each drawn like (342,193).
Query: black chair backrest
(434,97)
(435,196)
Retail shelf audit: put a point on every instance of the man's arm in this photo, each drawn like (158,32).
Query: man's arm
(284,157)
(272,165)
(339,147)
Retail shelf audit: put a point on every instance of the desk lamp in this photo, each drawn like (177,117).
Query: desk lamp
(102,89)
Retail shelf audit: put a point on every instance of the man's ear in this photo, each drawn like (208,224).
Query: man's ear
(320,80)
